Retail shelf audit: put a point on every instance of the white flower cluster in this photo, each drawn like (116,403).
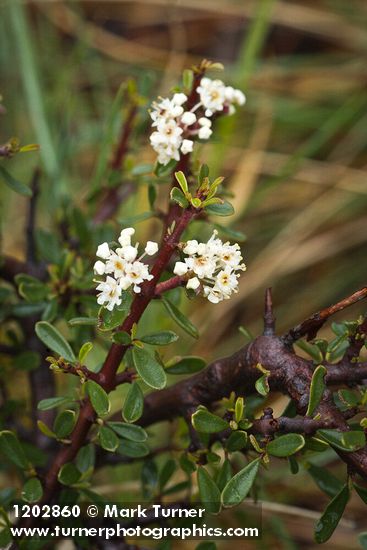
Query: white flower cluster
(212,268)
(121,268)
(175,126)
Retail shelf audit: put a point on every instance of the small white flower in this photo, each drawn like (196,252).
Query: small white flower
(151,248)
(125,236)
(116,265)
(179,99)
(110,293)
(103,251)
(214,295)
(99,268)
(239,97)
(187,146)
(193,283)
(191,247)
(180,268)
(226,282)
(202,266)
(129,253)
(188,118)
(203,121)
(205,132)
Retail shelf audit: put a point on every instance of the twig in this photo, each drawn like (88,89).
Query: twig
(312,325)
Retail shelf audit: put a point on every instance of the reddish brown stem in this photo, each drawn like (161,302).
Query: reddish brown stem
(107,375)
(171,283)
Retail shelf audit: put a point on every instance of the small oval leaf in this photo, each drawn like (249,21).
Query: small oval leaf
(239,486)
(149,369)
(52,339)
(285,445)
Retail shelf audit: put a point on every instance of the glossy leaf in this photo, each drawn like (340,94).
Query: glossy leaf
(180,318)
(236,441)
(239,486)
(64,423)
(345,441)
(108,439)
(316,389)
(160,338)
(32,490)
(129,431)
(329,520)
(52,339)
(68,474)
(12,449)
(209,492)
(148,368)
(99,398)
(224,209)
(52,403)
(285,445)
(187,365)
(325,480)
(134,403)
(206,422)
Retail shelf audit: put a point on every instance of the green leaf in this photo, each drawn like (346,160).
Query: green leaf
(209,492)
(224,474)
(206,422)
(160,338)
(224,209)
(312,350)
(122,338)
(316,389)
(52,403)
(177,195)
(167,472)
(85,458)
(187,79)
(45,429)
(196,202)
(33,292)
(162,170)
(134,403)
(187,365)
(362,539)
(262,385)
(84,321)
(362,492)
(54,340)
(325,480)
(133,449)
(180,318)
(32,490)
(239,486)
(108,320)
(345,441)
(12,449)
(14,184)
(182,181)
(64,423)
(237,236)
(129,431)
(149,369)
(68,474)
(99,398)
(203,173)
(285,445)
(84,350)
(238,409)
(108,439)
(236,441)
(329,520)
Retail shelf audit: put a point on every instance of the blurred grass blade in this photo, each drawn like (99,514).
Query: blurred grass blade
(253,43)
(32,86)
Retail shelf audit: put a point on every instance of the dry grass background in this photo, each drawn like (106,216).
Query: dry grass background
(294,158)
